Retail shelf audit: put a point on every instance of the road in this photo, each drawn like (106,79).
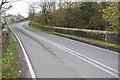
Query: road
(52,56)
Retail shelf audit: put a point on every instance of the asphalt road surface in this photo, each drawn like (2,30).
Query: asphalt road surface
(52,56)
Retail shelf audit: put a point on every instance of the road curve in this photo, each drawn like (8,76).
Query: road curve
(52,56)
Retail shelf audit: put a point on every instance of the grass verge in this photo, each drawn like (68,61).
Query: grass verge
(92,40)
(10,59)
(40,29)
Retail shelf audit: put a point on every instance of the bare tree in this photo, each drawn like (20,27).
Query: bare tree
(46,8)
(6,5)
(31,11)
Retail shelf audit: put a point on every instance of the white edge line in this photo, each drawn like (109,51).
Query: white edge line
(26,57)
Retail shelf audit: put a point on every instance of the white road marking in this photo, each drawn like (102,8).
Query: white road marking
(91,61)
(33,76)
(59,46)
(86,57)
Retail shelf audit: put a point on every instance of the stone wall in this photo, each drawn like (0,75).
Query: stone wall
(112,37)
(4,38)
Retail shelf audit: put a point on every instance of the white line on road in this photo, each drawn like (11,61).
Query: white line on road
(65,49)
(33,76)
(83,57)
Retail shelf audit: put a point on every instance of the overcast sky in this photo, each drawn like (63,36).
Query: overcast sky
(22,7)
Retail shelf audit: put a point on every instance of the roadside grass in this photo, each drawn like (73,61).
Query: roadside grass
(92,40)
(6,25)
(46,26)
(40,29)
(10,60)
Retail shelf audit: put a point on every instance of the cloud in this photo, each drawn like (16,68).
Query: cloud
(19,7)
